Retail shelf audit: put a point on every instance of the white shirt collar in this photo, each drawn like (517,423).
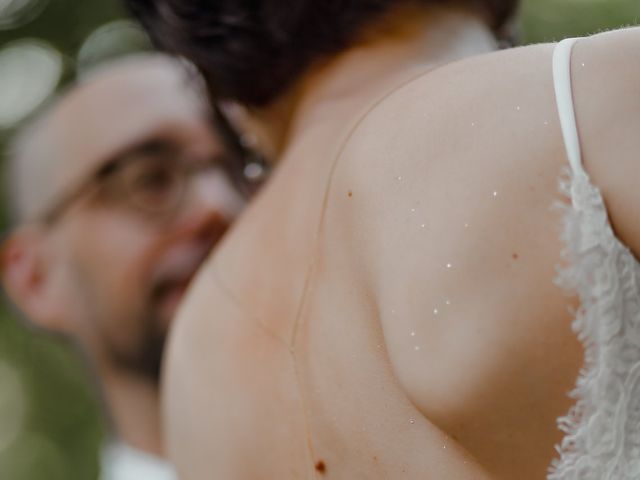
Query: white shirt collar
(122,462)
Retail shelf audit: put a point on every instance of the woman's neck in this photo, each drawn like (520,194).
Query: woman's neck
(408,42)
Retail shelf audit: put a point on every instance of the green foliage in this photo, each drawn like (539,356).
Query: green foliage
(51,422)
(553,20)
(60,424)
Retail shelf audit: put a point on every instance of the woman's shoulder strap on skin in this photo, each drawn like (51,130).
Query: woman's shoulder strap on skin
(564,101)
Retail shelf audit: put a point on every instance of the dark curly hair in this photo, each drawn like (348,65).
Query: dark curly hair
(253,50)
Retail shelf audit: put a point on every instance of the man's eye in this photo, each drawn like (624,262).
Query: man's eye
(153,186)
(155,180)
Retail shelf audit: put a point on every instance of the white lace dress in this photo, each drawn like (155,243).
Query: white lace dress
(602,430)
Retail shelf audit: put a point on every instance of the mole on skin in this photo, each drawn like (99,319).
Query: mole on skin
(321,467)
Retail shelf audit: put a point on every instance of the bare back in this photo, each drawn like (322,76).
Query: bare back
(392,314)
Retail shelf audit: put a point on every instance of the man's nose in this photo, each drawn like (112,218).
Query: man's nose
(212,192)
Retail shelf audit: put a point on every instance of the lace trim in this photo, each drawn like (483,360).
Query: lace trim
(602,430)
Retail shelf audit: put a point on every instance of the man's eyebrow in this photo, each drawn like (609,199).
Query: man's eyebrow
(151,145)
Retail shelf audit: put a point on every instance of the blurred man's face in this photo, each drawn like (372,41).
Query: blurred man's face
(123,244)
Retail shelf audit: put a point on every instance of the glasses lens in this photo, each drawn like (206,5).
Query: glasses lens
(152,184)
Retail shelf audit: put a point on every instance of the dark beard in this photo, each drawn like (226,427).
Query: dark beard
(146,359)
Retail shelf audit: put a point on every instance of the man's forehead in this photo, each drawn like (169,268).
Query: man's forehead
(120,106)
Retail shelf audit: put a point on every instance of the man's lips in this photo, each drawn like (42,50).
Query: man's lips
(174,274)
(175,264)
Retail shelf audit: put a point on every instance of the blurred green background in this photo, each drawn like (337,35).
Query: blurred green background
(50,417)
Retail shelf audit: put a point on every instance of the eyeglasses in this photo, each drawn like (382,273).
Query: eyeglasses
(151,178)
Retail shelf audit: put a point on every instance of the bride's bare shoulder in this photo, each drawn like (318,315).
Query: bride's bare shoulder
(467,104)
(492,120)
(504,79)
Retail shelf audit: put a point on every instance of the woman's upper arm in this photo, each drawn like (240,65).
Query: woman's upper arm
(606,88)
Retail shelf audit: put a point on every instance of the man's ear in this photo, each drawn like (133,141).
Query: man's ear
(28,280)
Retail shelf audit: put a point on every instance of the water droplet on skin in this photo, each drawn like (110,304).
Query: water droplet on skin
(393,312)
(435,311)
(412,421)
(518,108)
(416,348)
(449,265)
(466,225)
(413,334)
(379,346)
(413,210)
(473,124)
(583,64)
(444,446)
(422,226)
(399,178)
(448,302)
(546,123)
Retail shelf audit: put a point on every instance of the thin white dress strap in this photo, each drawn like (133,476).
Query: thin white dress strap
(564,101)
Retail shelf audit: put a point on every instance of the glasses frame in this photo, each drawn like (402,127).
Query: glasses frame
(234,160)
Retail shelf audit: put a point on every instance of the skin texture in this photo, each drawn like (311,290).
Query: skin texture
(108,276)
(386,307)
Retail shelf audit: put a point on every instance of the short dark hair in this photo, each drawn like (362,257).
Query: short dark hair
(253,50)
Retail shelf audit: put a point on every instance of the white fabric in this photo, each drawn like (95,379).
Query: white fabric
(121,462)
(602,430)
(564,99)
